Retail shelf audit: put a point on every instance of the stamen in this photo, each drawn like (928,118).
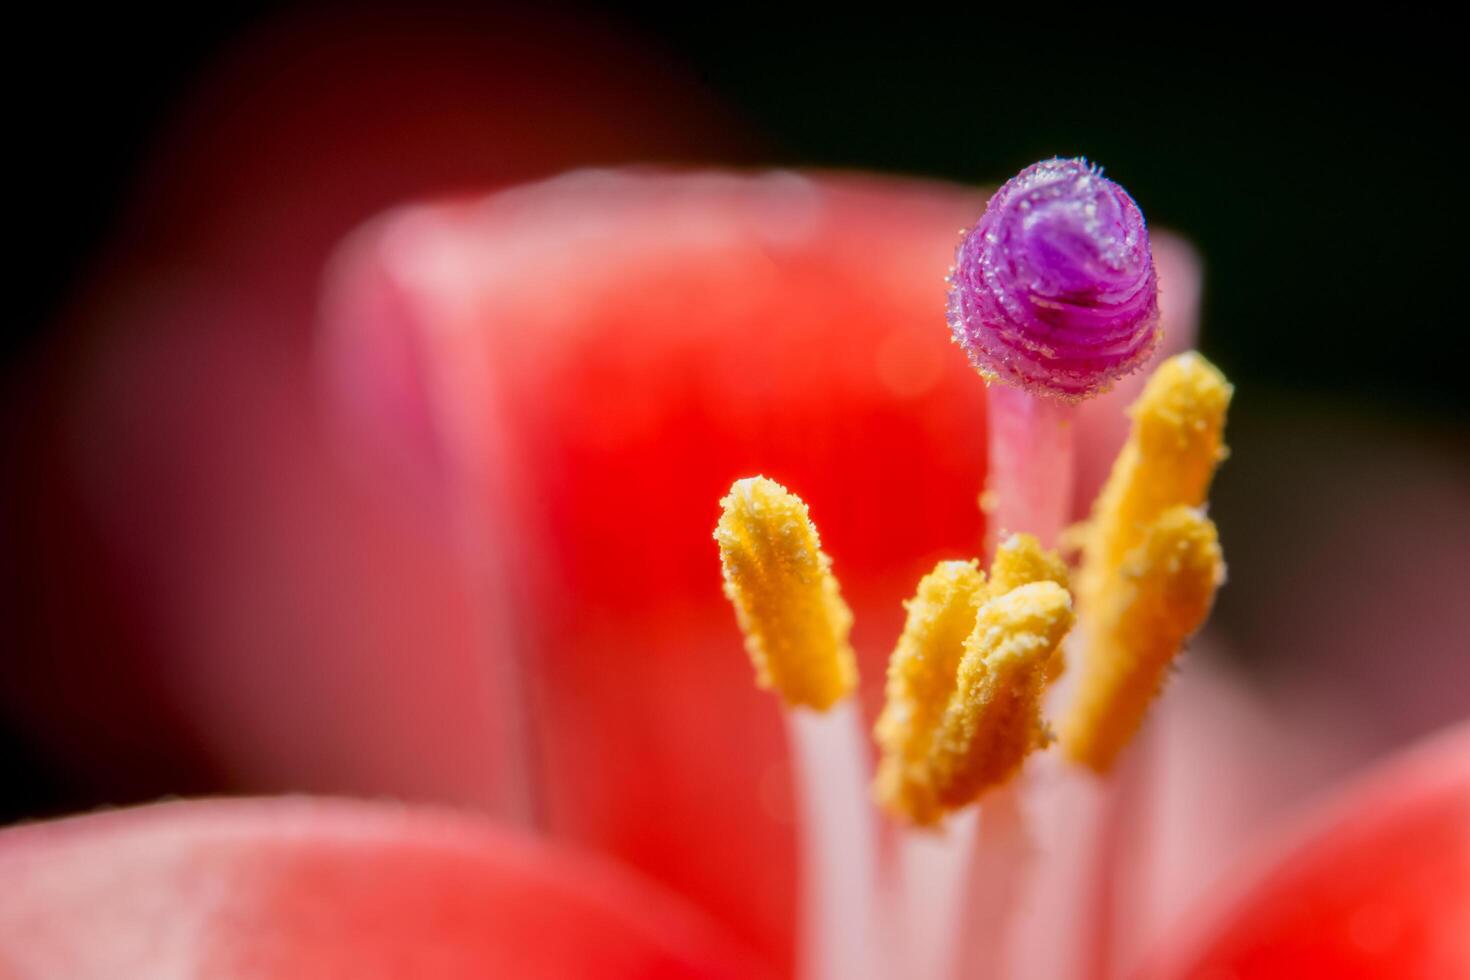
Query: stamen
(1151,563)
(993,719)
(921,677)
(796,630)
(786,599)
(1021,559)
(925,669)
(1169,458)
(1161,595)
(840,935)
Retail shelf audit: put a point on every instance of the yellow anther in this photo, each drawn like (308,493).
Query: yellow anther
(1169,459)
(1163,593)
(1020,559)
(993,719)
(786,599)
(921,677)
(925,671)
(1151,562)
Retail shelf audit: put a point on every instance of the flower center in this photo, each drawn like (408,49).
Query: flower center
(1053,292)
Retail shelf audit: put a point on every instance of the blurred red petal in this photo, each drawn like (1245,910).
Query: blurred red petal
(1377,886)
(316,118)
(294,888)
(589,362)
(205,596)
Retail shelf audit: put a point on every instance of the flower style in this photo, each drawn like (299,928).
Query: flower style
(578,369)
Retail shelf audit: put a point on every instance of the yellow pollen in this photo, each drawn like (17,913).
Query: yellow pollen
(786,598)
(1151,561)
(929,687)
(1021,559)
(1161,596)
(993,719)
(1169,458)
(921,677)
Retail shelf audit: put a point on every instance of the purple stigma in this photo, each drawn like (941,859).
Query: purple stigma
(1054,289)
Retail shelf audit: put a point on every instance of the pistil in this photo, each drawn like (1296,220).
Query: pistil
(1053,296)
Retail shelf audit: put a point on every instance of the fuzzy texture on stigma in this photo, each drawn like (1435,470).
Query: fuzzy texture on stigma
(962,705)
(1054,289)
(786,598)
(1151,559)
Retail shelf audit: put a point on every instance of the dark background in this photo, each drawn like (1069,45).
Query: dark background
(1314,174)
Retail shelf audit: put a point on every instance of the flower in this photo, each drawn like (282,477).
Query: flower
(648,339)
(574,371)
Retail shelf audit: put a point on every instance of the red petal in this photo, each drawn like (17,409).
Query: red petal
(185,537)
(1378,886)
(297,888)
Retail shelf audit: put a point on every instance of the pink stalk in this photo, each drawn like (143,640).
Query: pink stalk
(1051,911)
(1081,827)
(996,875)
(839,936)
(1030,491)
(936,912)
(1123,797)
(1030,465)
(979,863)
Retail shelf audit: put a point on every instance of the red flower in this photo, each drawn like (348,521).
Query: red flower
(572,373)
(585,365)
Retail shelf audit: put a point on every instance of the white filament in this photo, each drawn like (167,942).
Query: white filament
(839,937)
(933,866)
